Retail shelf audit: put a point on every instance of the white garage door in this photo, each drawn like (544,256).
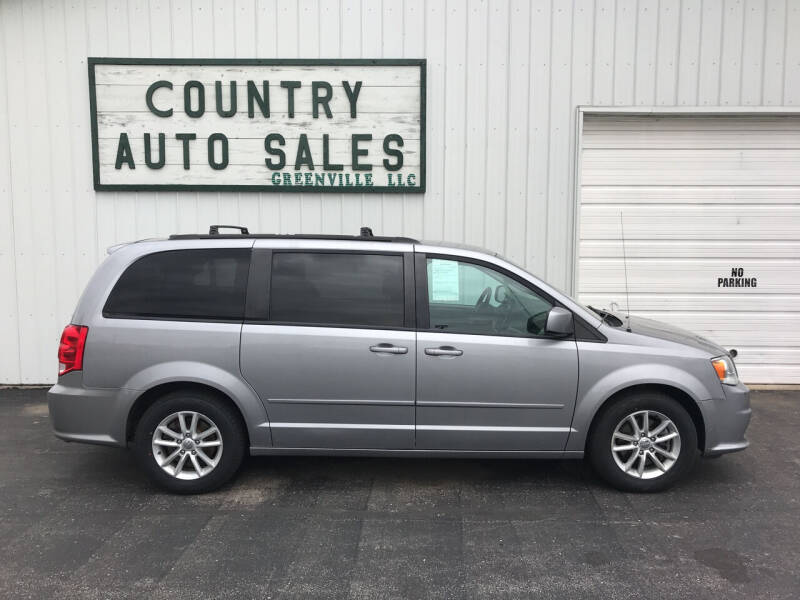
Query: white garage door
(711,210)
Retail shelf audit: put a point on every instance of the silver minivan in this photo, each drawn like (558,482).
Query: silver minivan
(196,350)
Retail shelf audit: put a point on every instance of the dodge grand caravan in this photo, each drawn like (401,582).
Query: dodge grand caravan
(195,350)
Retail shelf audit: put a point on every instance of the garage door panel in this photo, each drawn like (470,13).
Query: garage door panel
(692,139)
(755,303)
(661,166)
(757,355)
(620,126)
(700,196)
(766,373)
(690,222)
(677,276)
(705,194)
(728,249)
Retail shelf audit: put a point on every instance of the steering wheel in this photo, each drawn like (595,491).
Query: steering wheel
(483,299)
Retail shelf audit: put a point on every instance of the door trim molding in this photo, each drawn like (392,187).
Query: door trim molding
(341,426)
(488,404)
(340,401)
(378,426)
(495,428)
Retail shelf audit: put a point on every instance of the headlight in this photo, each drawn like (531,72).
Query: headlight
(726,370)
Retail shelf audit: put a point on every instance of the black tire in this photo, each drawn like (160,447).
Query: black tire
(599,444)
(228,422)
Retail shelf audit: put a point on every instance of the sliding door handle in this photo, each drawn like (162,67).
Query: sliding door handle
(443,351)
(388,349)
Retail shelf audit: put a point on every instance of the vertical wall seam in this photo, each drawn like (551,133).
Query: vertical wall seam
(658,53)
(721,70)
(614,57)
(764,53)
(635,59)
(785,51)
(570,147)
(444,123)
(172,39)
(96,244)
(466,117)
(54,302)
(508,129)
(699,57)
(73,171)
(741,52)
(528,142)
(594,51)
(11,207)
(677,56)
(549,142)
(28,163)
(486,137)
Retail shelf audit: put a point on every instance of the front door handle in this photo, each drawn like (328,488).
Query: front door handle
(388,349)
(443,351)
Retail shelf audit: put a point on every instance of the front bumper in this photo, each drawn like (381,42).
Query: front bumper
(88,415)
(726,420)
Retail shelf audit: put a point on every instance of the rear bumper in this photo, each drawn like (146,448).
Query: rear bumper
(88,415)
(726,420)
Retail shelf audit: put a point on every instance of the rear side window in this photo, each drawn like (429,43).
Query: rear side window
(337,289)
(183,284)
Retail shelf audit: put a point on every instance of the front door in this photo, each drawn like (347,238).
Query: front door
(333,357)
(488,376)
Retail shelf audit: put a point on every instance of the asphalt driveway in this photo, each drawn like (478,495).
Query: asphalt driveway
(81,521)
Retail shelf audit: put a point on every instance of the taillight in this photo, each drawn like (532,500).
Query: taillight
(70,350)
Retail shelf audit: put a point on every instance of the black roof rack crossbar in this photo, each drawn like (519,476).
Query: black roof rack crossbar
(365,235)
(214,229)
(292,236)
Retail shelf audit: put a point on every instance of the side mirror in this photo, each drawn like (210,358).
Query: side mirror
(501,294)
(559,322)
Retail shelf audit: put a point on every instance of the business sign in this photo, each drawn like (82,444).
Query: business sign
(347,125)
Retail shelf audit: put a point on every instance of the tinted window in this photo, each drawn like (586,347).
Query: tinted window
(194,284)
(337,289)
(468,298)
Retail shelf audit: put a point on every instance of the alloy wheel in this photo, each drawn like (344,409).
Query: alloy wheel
(187,445)
(646,444)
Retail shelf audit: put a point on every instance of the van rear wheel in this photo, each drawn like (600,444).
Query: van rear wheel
(188,442)
(644,442)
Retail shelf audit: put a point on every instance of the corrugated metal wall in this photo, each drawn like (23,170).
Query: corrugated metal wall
(504,78)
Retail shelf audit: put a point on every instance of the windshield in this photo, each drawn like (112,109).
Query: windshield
(559,290)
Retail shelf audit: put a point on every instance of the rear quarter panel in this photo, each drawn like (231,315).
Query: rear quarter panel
(139,354)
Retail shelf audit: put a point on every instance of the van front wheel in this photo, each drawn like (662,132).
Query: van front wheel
(643,443)
(188,442)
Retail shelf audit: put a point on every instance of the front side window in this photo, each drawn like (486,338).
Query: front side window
(346,289)
(465,297)
(207,284)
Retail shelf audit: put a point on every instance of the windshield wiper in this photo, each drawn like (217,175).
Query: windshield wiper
(607,317)
(603,314)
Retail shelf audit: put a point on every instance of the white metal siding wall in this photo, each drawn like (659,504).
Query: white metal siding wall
(699,196)
(504,78)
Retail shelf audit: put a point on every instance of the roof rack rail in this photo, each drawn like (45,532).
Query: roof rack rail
(365,235)
(214,229)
